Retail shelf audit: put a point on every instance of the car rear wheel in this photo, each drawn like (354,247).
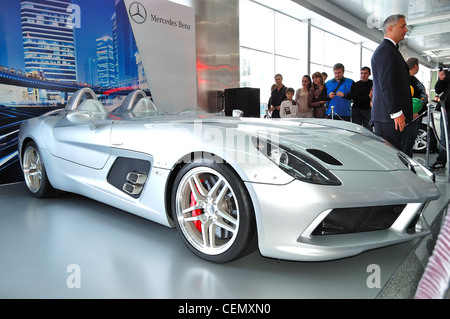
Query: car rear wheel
(34,172)
(213,212)
(420,145)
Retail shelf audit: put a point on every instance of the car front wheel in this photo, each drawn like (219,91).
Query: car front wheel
(213,212)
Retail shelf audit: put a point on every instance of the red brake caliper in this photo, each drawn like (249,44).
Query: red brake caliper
(197,212)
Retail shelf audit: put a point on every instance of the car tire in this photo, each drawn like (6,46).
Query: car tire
(420,144)
(213,212)
(34,172)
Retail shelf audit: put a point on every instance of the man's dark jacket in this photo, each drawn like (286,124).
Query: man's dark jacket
(444,87)
(391,87)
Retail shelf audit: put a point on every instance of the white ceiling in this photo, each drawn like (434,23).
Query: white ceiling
(428,22)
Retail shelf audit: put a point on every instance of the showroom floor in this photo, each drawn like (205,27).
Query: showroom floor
(74,247)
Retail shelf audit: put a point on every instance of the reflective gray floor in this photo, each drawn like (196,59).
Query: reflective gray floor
(119,255)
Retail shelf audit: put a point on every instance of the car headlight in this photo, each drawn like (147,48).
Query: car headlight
(296,164)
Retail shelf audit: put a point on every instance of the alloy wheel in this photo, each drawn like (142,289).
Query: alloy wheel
(32,169)
(207,211)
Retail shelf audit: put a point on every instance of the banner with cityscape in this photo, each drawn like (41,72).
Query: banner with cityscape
(49,49)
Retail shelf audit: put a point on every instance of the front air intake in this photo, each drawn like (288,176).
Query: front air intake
(358,220)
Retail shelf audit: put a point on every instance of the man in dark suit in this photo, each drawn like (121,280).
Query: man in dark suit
(392,103)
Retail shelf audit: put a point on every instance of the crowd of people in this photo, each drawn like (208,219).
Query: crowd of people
(383,105)
(339,98)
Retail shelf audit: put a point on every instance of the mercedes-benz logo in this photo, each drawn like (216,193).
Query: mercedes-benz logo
(138,12)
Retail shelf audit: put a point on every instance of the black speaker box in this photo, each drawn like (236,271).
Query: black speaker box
(244,99)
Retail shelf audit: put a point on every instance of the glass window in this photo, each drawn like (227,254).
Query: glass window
(366,59)
(256,29)
(316,67)
(291,71)
(317,44)
(424,76)
(351,59)
(333,50)
(277,45)
(272,42)
(328,49)
(288,40)
(257,71)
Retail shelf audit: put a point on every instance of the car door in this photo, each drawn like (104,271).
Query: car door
(82,144)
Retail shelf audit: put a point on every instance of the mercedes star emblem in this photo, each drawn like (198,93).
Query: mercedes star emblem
(138,12)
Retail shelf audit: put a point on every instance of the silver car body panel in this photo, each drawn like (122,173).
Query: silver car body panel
(79,157)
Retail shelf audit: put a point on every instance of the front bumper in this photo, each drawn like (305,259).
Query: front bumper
(288,215)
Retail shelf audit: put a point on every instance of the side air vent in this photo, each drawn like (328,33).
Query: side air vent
(324,157)
(129,175)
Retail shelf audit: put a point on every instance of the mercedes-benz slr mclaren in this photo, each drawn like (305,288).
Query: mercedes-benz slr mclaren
(301,189)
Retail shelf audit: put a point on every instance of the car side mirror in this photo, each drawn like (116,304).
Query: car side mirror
(81,118)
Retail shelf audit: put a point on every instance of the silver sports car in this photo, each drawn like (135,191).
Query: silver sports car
(301,189)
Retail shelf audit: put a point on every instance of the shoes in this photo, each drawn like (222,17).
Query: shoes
(437,166)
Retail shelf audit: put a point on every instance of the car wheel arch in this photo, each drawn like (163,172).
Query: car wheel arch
(24,144)
(195,156)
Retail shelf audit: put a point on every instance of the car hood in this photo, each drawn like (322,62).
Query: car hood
(352,146)
(340,145)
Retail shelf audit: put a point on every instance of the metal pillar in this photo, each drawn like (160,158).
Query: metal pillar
(429,112)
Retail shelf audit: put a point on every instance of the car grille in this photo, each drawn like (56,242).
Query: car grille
(358,220)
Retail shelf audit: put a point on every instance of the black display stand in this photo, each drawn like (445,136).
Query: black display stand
(244,99)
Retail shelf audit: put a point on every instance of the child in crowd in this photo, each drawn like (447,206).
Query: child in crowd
(289,108)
